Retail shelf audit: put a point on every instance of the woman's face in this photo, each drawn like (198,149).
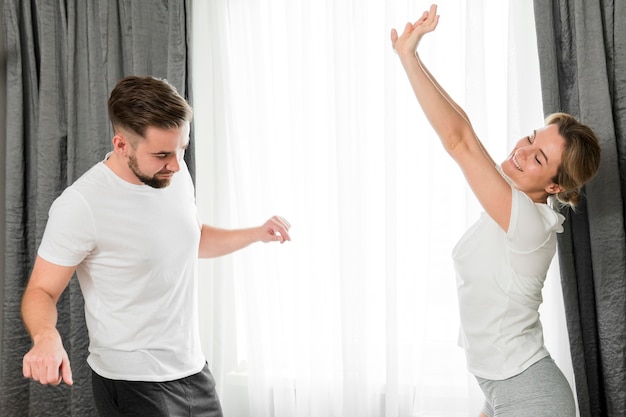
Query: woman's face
(534,161)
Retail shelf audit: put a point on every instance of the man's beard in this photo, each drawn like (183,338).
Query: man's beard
(152,181)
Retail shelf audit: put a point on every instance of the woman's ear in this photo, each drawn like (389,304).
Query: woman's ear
(554,188)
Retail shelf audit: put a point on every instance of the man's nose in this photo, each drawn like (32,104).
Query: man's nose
(173,164)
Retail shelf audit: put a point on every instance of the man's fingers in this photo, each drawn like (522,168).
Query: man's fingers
(47,372)
(66,372)
(26,371)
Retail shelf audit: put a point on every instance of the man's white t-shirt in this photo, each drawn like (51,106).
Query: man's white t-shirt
(136,248)
(499,281)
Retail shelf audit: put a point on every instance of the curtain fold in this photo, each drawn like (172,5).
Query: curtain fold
(63,58)
(582,53)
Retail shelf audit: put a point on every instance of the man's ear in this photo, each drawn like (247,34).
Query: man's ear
(120,144)
(554,188)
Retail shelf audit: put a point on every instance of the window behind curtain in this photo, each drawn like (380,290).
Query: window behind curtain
(303,110)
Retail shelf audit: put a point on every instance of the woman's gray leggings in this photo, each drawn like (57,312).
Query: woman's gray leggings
(540,390)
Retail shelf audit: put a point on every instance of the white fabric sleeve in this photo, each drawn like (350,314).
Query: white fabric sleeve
(531,224)
(69,235)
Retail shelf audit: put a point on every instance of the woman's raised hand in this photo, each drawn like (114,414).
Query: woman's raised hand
(406,44)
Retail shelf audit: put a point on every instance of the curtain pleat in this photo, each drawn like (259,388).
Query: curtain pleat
(62,60)
(582,53)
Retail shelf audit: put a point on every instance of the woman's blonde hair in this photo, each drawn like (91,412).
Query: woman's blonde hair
(580,159)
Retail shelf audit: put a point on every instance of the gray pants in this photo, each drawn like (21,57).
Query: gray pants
(540,390)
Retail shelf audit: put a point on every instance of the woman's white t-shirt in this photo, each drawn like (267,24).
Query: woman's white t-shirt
(136,248)
(499,281)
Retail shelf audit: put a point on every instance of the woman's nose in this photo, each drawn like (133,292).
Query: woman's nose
(522,152)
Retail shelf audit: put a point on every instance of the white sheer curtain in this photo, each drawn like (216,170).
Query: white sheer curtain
(302,110)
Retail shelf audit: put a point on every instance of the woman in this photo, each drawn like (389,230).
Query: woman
(501,262)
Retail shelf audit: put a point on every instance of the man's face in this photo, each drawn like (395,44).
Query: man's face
(156,158)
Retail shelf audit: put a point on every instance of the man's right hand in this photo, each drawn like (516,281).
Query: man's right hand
(47,361)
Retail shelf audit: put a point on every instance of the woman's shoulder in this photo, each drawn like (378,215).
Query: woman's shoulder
(532,224)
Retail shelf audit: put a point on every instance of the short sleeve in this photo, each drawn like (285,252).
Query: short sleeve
(69,235)
(532,224)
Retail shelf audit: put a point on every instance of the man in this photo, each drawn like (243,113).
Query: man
(128,228)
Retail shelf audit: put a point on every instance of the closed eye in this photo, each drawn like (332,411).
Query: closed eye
(530,139)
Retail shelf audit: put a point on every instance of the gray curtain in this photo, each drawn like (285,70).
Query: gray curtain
(582,55)
(63,58)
